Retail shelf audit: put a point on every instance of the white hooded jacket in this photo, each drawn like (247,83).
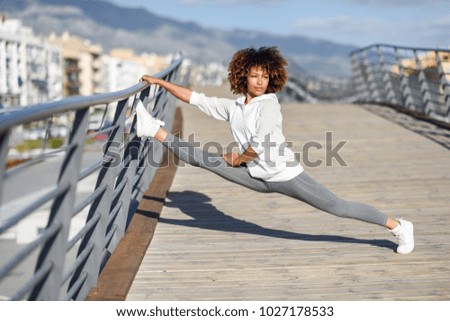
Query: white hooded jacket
(258,124)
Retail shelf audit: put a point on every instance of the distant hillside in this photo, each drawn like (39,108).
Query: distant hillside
(113,26)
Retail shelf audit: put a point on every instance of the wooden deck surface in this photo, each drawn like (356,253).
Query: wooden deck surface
(219,241)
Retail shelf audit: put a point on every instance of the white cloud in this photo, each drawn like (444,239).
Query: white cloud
(230,2)
(439,29)
(365,31)
(443,22)
(399,3)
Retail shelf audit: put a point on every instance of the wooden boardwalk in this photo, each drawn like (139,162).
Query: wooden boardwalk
(219,241)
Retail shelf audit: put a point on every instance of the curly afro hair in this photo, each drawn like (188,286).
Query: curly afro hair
(268,58)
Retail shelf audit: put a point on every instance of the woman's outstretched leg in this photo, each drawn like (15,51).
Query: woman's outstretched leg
(306,189)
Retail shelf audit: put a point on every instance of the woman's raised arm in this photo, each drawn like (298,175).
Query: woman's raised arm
(180,92)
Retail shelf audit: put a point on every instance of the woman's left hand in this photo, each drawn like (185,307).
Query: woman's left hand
(231,159)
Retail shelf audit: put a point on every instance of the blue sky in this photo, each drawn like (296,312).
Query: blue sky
(418,23)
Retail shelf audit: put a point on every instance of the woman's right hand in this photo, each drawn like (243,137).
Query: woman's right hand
(180,92)
(149,79)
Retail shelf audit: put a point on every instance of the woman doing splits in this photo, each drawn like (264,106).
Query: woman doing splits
(265,163)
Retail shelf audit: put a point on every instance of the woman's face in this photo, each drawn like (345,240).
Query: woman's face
(257,81)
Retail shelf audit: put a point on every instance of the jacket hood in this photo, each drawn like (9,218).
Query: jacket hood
(263,97)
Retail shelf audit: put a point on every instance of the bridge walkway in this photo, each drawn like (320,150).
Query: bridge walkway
(219,241)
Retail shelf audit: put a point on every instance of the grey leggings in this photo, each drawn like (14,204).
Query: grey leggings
(301,187)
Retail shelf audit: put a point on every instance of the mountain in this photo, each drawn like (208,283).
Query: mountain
(113,26)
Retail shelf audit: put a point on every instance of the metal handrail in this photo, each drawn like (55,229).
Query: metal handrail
(398,47)
(90,201)
(416,80)
(19,116)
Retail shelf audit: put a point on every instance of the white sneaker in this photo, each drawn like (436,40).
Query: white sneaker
(146,124)
(404,233)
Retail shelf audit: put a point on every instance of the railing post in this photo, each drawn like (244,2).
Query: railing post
(359,79)
(405,91)
(151,146)
(54,250)
(389,92)
(101,206)
(426,103)
(374,93)
(132,151)
(141,152)
(4,147)
(123,198)
(444,78)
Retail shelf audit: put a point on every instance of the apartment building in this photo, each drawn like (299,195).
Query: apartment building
(30,69)
(82,64)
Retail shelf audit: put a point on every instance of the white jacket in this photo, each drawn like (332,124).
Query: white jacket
(258,124)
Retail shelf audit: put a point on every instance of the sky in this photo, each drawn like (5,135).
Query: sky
(416,23)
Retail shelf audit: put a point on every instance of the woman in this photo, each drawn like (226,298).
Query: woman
(265,163)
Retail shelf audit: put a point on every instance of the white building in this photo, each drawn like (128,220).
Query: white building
(119,73)
(122,68)
(30,70)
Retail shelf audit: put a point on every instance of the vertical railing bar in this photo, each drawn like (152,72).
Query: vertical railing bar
(121,220)
(445,85)
(130,173)
(378,88)
(102,205)
(364,74)
(145,149)
(396,68)
(49,123)
(389,95)
(424,92)
(4,148)
(105,111)
(404,88)
(357,77)
(54,250)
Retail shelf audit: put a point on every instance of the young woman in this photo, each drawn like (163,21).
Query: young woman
(265,163)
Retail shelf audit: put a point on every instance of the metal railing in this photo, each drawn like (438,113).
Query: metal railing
(311,89)
(414,79)
(64,209)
